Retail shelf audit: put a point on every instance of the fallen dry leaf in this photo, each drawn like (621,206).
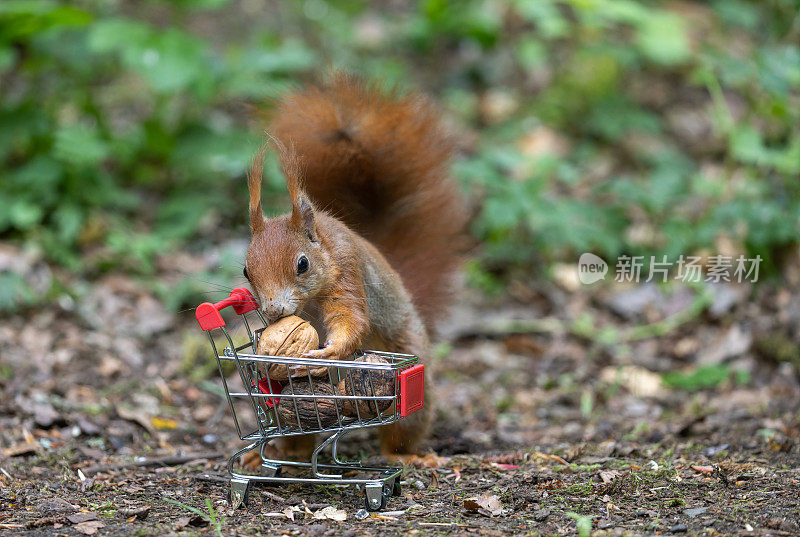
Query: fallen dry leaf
(88,528)
(637,380)
(607,476)
(136,417)
(705,470)
(24,448)
(290,511)
(136,512)
(331,513)
(554,458)
(77,518)
(485,504)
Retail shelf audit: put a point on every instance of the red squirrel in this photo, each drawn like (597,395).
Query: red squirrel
(369,250)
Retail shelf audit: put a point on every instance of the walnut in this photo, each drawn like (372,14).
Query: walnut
(290,337)
(307,410)
(357,382)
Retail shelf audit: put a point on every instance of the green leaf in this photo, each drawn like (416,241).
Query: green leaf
(68,219)
(662,38)
(779,69)
(25,214)
(171,61)
(118,35)
(204,4)
(209,154)
(531,53)
(738,12)
(22,18)
(79,145)
(14,291)
(17,127)
(7,58)
(181,214)
(545,15)
(292,56)
(583,524)
(704,377)
(40,176)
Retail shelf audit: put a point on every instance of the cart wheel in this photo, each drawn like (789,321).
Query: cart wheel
(397,490)
(371,508)
(238,493)
(375,499)
(270,470)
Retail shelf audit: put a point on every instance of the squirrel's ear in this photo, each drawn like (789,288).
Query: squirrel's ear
(257,219)
(302,209)
(303,216)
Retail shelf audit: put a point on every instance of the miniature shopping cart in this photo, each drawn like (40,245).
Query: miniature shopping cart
(253,393)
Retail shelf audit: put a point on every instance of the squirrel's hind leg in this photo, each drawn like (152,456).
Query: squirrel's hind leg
(407,435)
(297,447)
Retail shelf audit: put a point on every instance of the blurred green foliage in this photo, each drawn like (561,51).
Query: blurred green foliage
(681,123)
(707,376)
(604,125)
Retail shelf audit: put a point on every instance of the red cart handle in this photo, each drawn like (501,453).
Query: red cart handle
(208,316)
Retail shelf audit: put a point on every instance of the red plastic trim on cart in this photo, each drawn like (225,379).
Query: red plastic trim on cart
(412,389)
(270,386)
(208,315)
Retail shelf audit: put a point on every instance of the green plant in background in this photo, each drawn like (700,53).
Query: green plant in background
(610,126)
(659,192)
(583,524)
(708,376)
(211,516)
(116,134)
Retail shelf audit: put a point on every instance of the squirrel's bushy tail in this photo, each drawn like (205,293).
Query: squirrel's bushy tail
(378,160)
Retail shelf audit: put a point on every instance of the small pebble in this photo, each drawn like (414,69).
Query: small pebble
(695,511)
(209,438)
(541,514)
(419,484)
(361,514)
(678,528)
(712,451)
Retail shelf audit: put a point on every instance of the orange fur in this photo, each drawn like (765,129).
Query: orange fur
(374,214)
(254,187)
(378,161)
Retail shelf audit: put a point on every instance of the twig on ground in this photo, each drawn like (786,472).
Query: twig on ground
(171,460)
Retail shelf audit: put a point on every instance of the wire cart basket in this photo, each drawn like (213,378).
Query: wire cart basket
(311,397)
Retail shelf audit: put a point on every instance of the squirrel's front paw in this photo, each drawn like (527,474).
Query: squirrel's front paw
(325,353)
(331,351)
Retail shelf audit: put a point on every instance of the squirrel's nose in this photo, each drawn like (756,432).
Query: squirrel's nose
(274,310)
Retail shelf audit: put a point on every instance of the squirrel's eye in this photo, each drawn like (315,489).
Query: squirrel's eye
(302,264)
(244,271)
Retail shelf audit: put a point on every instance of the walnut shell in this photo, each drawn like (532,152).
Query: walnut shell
(357,382)
(291,337)
(306,409)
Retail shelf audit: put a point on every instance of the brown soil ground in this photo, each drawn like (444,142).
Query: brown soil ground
(551,427)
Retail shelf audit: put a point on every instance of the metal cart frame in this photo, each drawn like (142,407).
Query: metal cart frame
(263,393)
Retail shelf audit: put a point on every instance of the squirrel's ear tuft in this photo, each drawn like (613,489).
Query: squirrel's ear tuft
(257,219)
(302,209)
(303,216)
